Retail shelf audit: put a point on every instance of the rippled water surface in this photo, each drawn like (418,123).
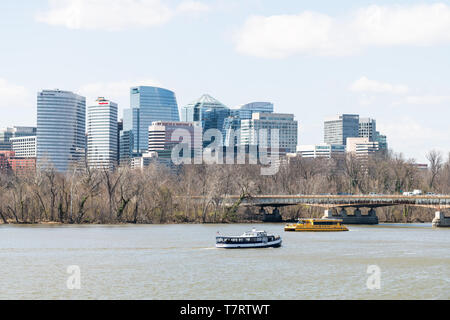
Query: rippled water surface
(180,262)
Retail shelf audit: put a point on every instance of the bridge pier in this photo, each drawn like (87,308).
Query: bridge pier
(440,220)
(356,218)
(274,217)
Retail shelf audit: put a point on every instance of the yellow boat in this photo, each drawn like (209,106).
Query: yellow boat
(316,225)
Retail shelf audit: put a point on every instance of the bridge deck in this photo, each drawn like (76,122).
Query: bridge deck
(441,201)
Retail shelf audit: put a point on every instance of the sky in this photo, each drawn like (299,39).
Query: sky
(389,60)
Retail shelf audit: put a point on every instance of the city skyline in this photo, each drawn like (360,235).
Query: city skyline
(399,78)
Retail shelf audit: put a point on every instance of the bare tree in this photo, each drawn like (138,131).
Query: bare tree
(435,159)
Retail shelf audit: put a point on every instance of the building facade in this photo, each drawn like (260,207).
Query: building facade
(232,124)
(341,127)
(126,147)
(362,147)
(102,134)
(10,162)
(285,124)
(161,138)
(25,147)
(321,151)
(148,104)
(61,129)
(15,132)
(207,111)
(368,128)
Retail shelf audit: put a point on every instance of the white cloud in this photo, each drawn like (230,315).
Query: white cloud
(13,96)
(113,15)
(414,138)
(285,35)
(313,33)
(427,99)
(193,7)
(118,91)
(366,85)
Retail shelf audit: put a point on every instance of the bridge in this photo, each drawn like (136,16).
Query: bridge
(337,206)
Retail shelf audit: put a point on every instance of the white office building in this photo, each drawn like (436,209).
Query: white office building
(321,150)
(24,147)
(285,124)
(102,134)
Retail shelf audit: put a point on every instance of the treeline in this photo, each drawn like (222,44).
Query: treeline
(161,195)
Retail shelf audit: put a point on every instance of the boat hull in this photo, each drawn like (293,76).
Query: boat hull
(293,229)
(273,244)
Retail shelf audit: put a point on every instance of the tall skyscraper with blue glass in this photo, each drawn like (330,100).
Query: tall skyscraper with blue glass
(147,105)
(61,129)
(207,111)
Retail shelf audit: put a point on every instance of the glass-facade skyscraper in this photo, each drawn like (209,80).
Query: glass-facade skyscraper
(61,129)
(232,124)
(147,105)
(102,134)
(339,128)
(207,111)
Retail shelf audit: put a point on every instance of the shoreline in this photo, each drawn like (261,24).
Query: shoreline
(168,224)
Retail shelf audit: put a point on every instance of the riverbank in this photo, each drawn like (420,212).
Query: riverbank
(46,223)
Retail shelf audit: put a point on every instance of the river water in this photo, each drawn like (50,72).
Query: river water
(180,262)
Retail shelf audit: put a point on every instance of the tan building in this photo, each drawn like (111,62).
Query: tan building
(362,147)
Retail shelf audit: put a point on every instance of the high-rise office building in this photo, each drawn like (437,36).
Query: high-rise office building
(367,128)
(232,124)
(285,124)
(61,129)
(208,111)
(382,141)
(246,111)
(14,132)
(126,147)
(148,104)
(161,138)
(119,130)
(102,134)
(341,127)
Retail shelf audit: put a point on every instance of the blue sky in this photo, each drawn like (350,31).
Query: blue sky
(384,59)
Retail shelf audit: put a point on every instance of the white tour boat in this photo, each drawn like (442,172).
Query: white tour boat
(252,239)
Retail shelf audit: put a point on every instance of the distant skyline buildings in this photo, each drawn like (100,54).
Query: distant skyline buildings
(285,125)
(102,128)
(8,133)
(162,141)
(25,146)
(362,147)
(61,129)
(242,112)
(322,150)
(148,104)
(107,142)
(207,111)
(338,128)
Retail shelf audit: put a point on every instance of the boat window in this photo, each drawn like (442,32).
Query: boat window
(324,223)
